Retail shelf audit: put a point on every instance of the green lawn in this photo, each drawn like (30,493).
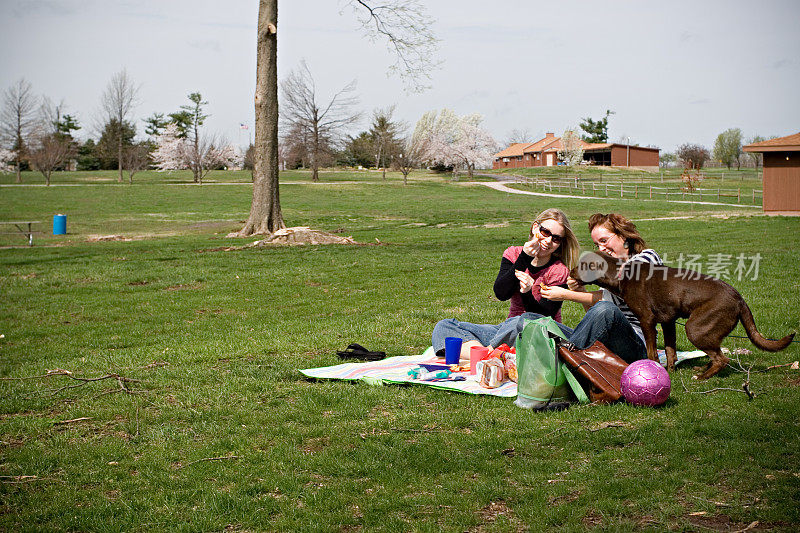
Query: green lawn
(219,430)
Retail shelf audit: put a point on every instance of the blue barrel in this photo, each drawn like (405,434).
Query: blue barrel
(59,224)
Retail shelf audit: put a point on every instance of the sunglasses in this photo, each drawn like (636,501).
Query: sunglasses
(556,239)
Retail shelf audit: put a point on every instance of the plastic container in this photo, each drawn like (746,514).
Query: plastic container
(477,353)
(59,224)
(452,350)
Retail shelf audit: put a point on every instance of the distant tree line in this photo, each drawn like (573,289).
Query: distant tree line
(314,133)
(36,134)
(727,152)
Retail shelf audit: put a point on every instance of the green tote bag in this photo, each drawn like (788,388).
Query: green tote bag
(543,379)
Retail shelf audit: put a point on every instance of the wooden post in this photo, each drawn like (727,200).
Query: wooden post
(651,192)
(620,190)
(738,195)
(718,195)
(636,191)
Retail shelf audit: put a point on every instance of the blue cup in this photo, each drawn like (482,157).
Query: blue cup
(452,350)
(59,224)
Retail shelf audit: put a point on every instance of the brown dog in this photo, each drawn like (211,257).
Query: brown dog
(660,295)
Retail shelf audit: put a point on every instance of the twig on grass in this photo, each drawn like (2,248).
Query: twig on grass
(745,385)
(718,504)
(72,421)
(121,381)
(794,365)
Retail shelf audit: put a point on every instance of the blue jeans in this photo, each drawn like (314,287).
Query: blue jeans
(603,321)
(487,334)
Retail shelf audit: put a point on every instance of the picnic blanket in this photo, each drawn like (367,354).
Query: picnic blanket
(394,370)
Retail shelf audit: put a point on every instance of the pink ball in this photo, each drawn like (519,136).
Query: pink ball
(646,382)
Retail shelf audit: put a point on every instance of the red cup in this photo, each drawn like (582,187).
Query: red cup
(477,353)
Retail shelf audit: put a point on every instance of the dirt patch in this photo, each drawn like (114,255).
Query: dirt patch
(295,236)
(564,498)
(724,523)
(303,235)
(494,510)
(107,238)
(592,519)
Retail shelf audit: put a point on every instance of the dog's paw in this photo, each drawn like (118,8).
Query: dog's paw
(695,377)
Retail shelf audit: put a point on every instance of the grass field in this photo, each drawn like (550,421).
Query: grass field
(210,426)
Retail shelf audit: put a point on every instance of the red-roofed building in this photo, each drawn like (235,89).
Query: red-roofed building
(544,153)
(781,181)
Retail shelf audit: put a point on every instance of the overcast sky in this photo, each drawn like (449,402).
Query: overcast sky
(672,71)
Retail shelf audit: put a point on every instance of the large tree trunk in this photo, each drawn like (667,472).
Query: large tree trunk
(265,211)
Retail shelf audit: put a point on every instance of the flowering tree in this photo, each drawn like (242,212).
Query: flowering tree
(175,153)
(455,141)
(571,152)
(168,154)
(7,157)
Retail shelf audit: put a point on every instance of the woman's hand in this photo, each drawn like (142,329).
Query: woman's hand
(574,285)
(555,294)
(532,247)
(525,280)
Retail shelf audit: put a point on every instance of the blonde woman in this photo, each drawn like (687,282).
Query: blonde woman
(544,259)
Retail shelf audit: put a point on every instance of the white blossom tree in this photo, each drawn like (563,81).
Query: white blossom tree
(200,156)
(455,141)
(571,152)
(6,158)
(168,154)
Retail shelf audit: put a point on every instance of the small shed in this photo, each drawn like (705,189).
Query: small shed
(781,181)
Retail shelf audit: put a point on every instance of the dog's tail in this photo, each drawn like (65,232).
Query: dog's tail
(746,316)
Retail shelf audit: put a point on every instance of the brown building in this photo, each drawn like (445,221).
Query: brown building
(544,153)
(781,174)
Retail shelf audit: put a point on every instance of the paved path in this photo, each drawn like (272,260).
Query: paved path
(502,186)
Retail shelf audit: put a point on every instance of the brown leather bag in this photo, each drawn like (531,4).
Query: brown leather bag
(598,369)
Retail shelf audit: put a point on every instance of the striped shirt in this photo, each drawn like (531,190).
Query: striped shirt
(645,256)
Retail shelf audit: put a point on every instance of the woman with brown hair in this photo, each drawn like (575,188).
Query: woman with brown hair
(608,319)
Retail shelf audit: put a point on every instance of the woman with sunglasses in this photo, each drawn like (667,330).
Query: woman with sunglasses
(608,319)
(546,258)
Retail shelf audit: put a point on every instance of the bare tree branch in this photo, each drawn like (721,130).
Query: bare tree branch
(407,29)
